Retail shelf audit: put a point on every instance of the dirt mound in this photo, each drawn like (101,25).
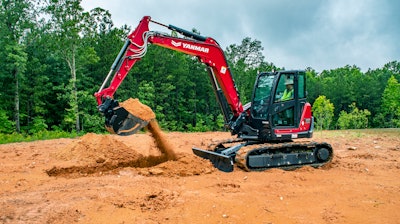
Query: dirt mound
(95,148)
(98,153)
(93,153)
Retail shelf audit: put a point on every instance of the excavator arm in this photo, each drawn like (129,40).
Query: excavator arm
(206,49)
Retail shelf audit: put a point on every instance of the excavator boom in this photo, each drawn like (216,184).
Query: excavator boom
(206,49)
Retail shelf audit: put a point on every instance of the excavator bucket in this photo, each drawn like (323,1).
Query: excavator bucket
(126,118)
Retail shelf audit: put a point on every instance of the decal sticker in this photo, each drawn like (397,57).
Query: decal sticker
(176,44)
(196,48)
(223,70)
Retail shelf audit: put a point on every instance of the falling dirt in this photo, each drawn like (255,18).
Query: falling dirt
(109,179)
(144,112)
(161,142)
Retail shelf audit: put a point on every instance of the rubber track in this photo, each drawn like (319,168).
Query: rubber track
(280,148)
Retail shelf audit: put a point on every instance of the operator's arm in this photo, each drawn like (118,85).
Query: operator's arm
(287,95)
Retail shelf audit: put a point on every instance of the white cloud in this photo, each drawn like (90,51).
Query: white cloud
(294,34)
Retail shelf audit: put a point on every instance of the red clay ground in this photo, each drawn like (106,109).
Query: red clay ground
(114,179)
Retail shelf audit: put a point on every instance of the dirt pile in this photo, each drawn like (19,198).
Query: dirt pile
(185,165)
(94,153)
(95,148)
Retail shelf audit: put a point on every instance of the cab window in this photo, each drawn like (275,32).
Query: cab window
(301,85)
(285,88)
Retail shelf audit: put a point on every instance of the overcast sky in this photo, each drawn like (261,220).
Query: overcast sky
(322,34)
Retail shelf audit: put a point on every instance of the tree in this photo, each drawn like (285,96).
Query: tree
(356,119)
(342,86)
(323,112)
(246,60)
(6,124)
(248,52)
(16,60)
(68,21)
(15,20)
(313,84)
(390,107)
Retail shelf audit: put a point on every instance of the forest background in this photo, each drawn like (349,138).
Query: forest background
(54,57)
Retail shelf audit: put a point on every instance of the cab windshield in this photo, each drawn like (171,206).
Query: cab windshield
(262,94)
(263,88)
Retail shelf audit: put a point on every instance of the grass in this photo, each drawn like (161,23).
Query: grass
(43,135)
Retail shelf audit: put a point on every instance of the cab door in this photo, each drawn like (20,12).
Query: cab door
(288,100)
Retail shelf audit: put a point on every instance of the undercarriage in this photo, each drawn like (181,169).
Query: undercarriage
(256,156)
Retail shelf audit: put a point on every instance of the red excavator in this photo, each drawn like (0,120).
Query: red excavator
(265,127)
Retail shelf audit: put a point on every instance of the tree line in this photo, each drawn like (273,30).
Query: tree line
(54,57)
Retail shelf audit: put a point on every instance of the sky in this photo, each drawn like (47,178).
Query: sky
(321,34)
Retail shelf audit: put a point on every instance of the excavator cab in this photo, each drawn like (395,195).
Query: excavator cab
(278,106)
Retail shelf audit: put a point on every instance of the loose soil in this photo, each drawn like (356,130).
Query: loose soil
(137,109)
(127,179)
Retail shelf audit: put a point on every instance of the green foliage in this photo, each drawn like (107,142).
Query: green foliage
(323,112)
(70,114)
(200,124)
(390,108)
(39,125)
(219,123)
(93,123)
(146,93)
(42,135)
(342,86)
(7,126)
(356,119)
(245,61)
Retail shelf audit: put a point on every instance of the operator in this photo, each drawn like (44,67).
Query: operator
(288,93)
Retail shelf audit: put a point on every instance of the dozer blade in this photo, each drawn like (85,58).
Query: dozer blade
(220,161)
